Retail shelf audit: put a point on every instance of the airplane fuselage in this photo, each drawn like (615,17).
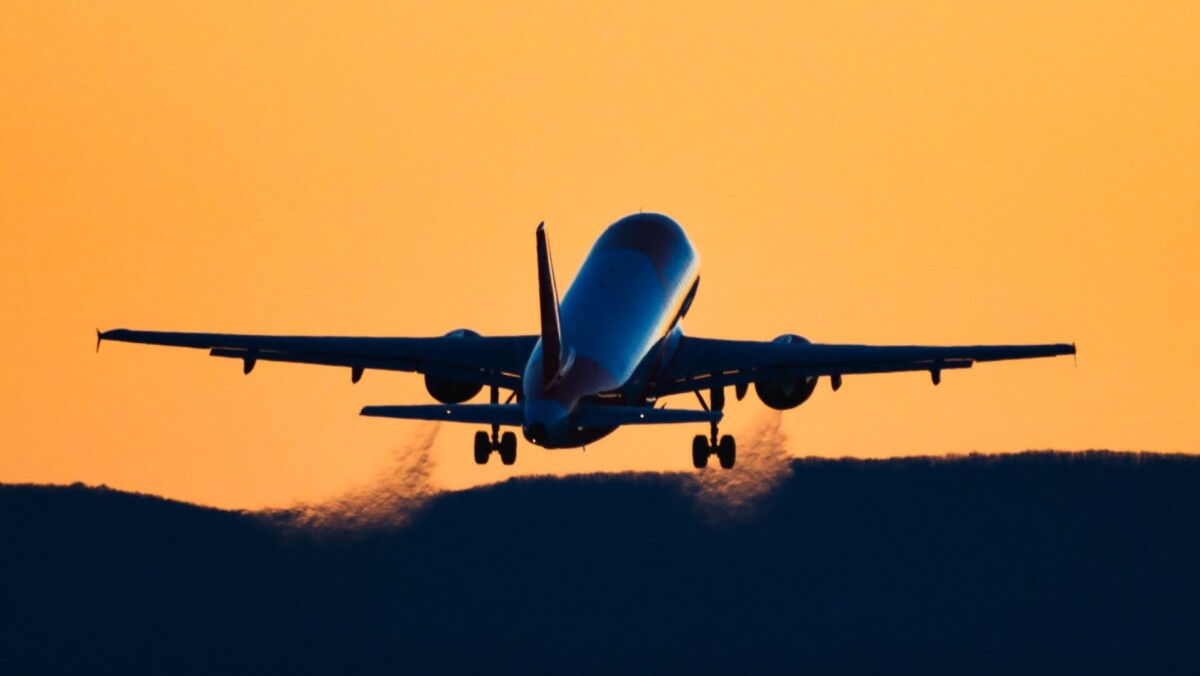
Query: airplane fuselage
(620,320)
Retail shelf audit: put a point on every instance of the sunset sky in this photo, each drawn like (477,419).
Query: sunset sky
(891,173)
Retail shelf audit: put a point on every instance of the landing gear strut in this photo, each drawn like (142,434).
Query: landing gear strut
(724,447)
(505,444)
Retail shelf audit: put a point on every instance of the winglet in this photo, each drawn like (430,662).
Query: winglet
(552,357)
(98,339)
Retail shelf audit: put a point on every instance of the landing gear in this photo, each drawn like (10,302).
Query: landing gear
(727,452)
(508,448)
(483,447)
(724,447)
(700,451)
(506,445)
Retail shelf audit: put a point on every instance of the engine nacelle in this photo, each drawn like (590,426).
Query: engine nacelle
(782,389)
(448,390)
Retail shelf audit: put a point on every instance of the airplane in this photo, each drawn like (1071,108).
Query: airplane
(606,356)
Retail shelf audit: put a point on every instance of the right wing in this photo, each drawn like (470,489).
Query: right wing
(702,363)
(486,360)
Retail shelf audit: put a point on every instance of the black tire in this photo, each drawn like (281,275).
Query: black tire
(508,448)
(700,451)
(483,448)
(727,452)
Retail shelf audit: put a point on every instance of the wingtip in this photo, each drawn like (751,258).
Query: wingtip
(541,226)
(99,337)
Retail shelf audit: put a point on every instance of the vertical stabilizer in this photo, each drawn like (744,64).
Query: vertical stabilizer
(552,357)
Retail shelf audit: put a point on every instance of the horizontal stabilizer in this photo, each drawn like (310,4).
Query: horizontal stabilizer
(614,416)
(480,414)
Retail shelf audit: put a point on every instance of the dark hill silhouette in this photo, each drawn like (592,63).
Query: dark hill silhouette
(1039,562)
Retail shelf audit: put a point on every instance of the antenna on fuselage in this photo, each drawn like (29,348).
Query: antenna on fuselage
(552,348)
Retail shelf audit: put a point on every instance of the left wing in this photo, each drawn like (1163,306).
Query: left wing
(487,360)
(702,363)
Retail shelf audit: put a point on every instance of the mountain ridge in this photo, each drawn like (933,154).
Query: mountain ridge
(1039,561)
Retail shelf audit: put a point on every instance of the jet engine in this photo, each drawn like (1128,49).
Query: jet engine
(783,389)
(448,390)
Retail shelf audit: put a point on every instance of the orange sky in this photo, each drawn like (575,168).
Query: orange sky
(909,172)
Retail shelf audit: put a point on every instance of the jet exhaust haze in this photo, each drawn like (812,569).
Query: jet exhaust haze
(389,501)
(763,466)
(398,494)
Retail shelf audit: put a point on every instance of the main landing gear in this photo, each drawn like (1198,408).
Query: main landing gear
(726,450)
(724,447)
(506,445)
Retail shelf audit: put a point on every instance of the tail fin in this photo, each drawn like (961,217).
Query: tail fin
(552,351)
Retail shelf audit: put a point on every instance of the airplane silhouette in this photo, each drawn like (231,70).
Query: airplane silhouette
(606,354)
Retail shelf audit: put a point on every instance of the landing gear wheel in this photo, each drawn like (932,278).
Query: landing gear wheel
(483,448)
(727,452)
(508,448)
(700,451)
